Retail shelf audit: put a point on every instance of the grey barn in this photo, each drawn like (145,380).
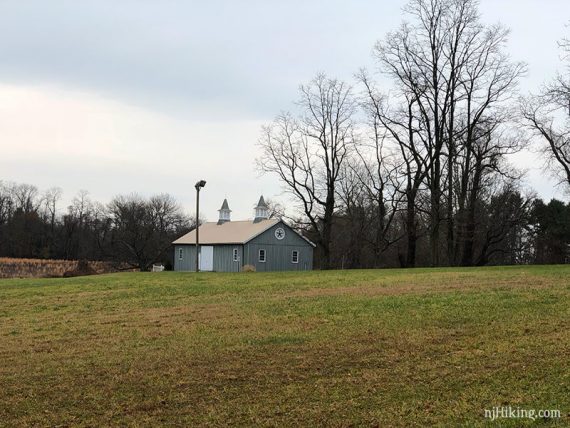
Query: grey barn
(266,243)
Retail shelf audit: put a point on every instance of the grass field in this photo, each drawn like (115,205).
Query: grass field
(339,348)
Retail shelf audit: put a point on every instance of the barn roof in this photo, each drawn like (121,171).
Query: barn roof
(231,232)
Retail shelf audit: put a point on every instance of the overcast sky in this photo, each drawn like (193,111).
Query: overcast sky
(150,96)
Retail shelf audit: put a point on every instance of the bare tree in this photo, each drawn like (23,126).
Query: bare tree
(307,152)
(6,203)
(50,198)
(81,206)
(482,167)
(25,197)
(167,214)
(143,230)
(276,209)
(487,84)
(403,126)
(76,225)
(543,119)
(374,170)
(446,65)
(547,115)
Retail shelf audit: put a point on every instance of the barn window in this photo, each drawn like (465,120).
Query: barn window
(262,256)
(235,254)
(295,256)
(180,254)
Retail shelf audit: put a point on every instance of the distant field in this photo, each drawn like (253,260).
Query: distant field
(360,348)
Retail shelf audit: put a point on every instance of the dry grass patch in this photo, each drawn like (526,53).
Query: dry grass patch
(47,268)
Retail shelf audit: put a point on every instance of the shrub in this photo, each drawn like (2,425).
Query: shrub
(248,268)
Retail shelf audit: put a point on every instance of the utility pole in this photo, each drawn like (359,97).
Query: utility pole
(198,186)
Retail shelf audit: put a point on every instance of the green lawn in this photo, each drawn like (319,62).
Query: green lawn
(338,348)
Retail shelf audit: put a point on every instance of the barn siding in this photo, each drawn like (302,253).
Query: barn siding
(188,262)
(279,252)
(224,258)
(278,257)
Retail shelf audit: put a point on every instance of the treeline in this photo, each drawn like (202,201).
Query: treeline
(511,229)
(137,232)
(130,230)
(417,172)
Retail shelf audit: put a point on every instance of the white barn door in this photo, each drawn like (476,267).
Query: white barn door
(206,258)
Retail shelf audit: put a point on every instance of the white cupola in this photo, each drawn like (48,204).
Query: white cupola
(224,212)
(261,211)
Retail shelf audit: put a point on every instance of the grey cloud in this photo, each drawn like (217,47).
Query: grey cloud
(238,57)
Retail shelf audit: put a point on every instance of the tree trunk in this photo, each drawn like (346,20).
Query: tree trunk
(435,216)
(327,230)
(450,219)
(469,237)
(378,245)
(469,231)
(411,231)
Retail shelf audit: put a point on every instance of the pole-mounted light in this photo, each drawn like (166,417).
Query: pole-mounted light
(198,186)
